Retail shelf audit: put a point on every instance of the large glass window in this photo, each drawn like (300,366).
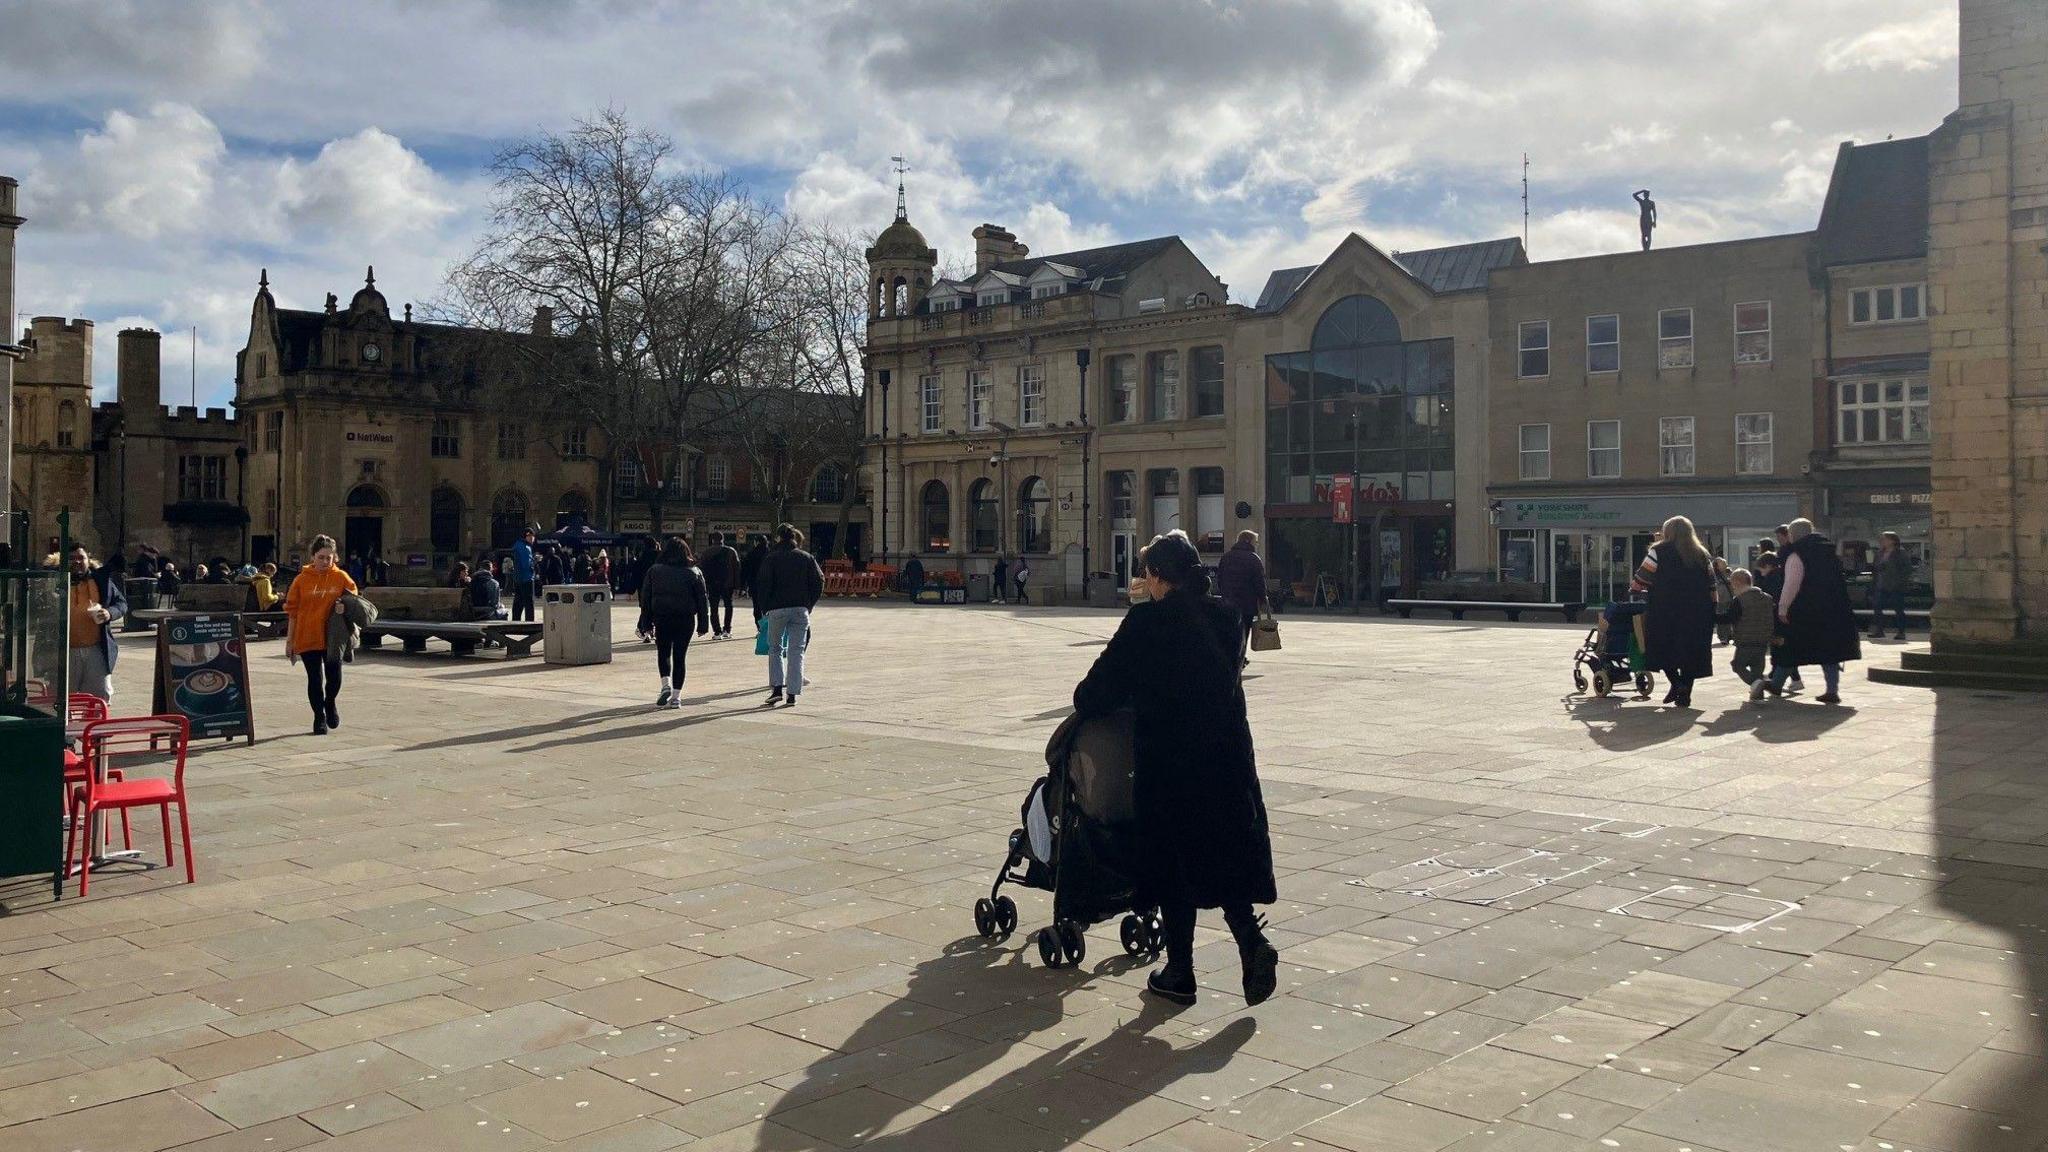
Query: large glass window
(1034,516)
(1162,371)
(626,477)
(1164,486)
(511,440)
(202,477)
(1205,367)
(1031,395)
(1535,451)
(1123,389)
(1674,338)
(1208,508)
(983,517)
(1532,340)
(1890,304)
(1753,332)
(67,425)
(979,393)
(937,508)
(1675,445)
(1123,496)
(1753,444)
(928,402)
(717,478)
(1603,343)
(1882,411)
(1603,449)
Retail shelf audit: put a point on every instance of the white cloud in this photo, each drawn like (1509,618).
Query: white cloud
(1917,45)
(137,175)
(149,48)
(369,185)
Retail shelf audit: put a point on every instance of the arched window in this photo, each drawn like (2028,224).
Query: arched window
(1355,321)
(508,517)
(572,506)
(365,496)
(1034,516)
(878,305)
(901,298)
(444,520)
(938,517)
(67,424)
(828,484)
(983,518)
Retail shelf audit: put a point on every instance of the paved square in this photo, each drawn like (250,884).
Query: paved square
(509,906)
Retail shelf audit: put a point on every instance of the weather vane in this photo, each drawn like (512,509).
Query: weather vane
(902,212)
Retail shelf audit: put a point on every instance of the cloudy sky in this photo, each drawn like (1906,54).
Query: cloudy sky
(169,149)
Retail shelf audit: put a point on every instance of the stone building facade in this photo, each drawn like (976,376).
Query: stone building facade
(985,440)
(52,426)
(1987,289)
(1627,388)
(171,478)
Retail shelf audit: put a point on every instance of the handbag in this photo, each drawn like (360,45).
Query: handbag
(1265,633)
(761,638)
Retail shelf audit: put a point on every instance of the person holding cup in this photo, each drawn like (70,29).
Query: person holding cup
(314,596)
(96,602)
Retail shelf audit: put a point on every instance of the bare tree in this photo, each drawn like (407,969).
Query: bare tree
(573,217)
(835,278)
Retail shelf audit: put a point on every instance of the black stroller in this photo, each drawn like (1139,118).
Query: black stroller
(1076,843)
(1612,654)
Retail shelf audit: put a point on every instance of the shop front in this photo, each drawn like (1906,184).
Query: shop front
(1587,548)
(1382,550)
(1858,514)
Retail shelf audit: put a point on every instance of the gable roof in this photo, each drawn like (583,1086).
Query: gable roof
(1876,207)
(1456,268)
(1106,263)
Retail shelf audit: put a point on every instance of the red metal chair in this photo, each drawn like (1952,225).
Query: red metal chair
(134,738)
(84,709)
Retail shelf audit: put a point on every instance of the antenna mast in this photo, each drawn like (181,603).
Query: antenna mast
(902,211)
(1525,201)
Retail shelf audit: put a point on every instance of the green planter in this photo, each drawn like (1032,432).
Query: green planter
(31,794)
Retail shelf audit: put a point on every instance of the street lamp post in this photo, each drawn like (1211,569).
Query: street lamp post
(882,477)
(1351,557)
(1087,517)
(242,493)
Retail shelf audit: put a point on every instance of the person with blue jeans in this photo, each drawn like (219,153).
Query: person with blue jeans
(786,586)
(522,576)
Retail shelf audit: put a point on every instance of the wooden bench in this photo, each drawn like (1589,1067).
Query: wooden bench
(1512,609)
(216,598)
(464,637)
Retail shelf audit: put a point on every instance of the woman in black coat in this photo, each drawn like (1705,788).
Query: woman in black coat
(673,606)
(1201,818)
(1679,624)
(1814,616)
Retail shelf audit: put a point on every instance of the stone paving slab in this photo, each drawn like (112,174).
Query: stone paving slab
(510,906)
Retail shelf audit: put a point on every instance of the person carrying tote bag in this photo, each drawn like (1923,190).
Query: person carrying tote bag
(1265,632)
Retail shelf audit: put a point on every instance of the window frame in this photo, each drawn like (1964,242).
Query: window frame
(1160,384)
(1027,375)
(1523,349)
(1869,292)
(1880,407)
(1591,448)
(1195,381)
(575,443)
(1668,443)
(627,476)
(1048,291)
(1767,332)
(1614,344)
(931,399)
(67,420)
(511,440)
(717,478)
(981,395)
(1128,385)
(1524,452)
(1768,442)
(444,439)
(1667,343)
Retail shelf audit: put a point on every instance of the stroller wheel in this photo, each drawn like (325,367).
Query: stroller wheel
(1602,682)
(1049,948)
(1006,915)
(1644,683)
(1072,943)
(1136,937)
(1155,933)
(1579,677)
(985,918)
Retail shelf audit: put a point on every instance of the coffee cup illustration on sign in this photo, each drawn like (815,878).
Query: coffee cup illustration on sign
(208,692)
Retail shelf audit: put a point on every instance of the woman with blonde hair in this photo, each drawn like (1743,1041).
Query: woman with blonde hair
(1679,623)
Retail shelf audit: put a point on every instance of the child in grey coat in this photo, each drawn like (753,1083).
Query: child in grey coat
(1752,622)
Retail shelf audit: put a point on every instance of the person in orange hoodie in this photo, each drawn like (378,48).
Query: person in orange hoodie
(312,598)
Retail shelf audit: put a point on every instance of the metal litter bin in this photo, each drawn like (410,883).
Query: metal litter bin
(142,595)
(977,588)
(576,624)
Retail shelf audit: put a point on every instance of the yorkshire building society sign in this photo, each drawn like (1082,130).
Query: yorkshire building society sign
(1628,513)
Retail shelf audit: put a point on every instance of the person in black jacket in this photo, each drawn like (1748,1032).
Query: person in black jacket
(1680,622)
(787,585)
(1241,584)
(721,577)
(672,606)
(750,566)
(1201,820)
(1814,616)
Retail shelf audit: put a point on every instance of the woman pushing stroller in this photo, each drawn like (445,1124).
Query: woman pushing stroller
(1200,817)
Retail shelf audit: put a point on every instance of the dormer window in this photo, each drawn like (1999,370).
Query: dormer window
(1045,290)
(949,304)
(987,299)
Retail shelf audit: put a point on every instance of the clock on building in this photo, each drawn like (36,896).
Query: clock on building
(370,353)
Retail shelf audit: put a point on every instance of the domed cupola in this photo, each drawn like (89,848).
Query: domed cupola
(368,301)
(900,264)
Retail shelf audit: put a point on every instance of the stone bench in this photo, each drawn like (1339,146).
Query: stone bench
(1511,608)
(463,637)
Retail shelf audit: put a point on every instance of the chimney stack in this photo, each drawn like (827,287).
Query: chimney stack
(138,369)
(544,320)
(993,245)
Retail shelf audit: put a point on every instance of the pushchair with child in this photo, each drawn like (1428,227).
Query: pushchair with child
(1078,843)
(1612,653)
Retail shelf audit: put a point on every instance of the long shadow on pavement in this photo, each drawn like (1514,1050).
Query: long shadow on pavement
(1127,1065)
(1991,818)
(668,722)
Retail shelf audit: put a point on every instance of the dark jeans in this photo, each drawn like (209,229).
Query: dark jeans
(323,679)
(522,599)
(1749,662)
(1886,600)
(671,647)
(1245,620)
(1021,597)
(1179,920)
(721,597)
